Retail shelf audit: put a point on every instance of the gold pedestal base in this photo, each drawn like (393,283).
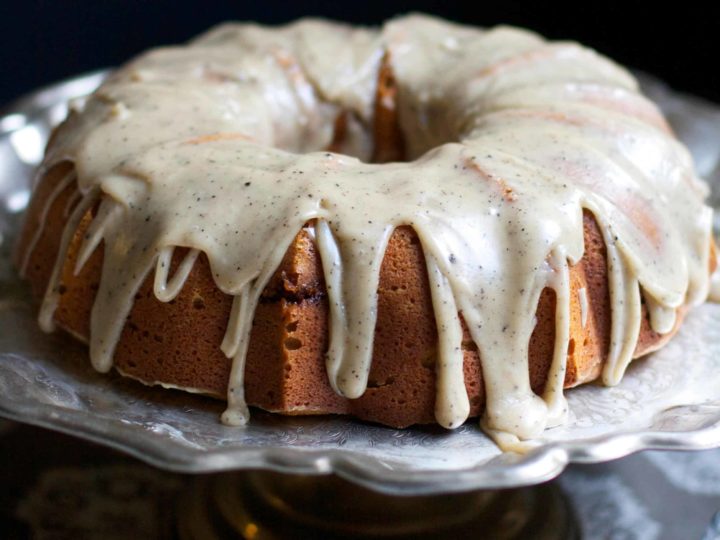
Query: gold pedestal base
(265,505)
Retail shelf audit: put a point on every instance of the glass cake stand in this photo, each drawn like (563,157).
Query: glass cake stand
(331,475)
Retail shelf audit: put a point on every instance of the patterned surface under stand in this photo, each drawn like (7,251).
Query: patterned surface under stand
(60,487)
(647,496)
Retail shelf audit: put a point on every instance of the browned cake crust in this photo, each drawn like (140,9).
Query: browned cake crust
(178,343)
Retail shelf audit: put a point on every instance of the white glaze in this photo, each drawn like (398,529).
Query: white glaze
(216,147)
(582,299)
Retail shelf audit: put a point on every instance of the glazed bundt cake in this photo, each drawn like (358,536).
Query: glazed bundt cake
(415,224)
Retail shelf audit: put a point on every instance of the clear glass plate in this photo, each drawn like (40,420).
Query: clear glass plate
(670,400)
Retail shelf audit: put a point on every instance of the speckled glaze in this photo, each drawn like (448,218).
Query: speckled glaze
(218,147)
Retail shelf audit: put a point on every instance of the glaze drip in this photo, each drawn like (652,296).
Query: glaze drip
(217,147)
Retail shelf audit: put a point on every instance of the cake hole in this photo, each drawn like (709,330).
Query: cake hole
(291,327)
(571,347)
(374,383)
(198,302)
(292,344)
(429,361)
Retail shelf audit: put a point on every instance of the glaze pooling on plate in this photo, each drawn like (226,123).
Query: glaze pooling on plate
(217,147)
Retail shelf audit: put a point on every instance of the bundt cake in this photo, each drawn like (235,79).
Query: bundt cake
(412,224)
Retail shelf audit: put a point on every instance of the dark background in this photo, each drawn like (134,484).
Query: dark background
(44,41)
